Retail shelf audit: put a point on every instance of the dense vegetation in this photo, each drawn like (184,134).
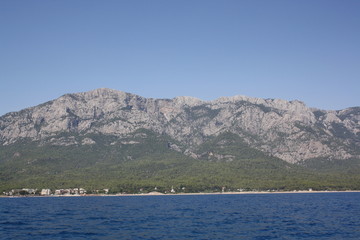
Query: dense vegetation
(144,162)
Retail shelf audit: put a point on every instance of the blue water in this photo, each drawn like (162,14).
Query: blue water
(256,216)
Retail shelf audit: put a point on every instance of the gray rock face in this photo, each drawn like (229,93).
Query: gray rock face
(288,130)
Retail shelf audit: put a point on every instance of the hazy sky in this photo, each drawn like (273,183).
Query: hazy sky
(305,50)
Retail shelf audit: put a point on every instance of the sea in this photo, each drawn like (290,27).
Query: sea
(222,216)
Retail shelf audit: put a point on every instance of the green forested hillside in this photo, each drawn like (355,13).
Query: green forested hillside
(146,161)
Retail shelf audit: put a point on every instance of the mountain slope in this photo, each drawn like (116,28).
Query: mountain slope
(288,130)
(146,160)
(112,139)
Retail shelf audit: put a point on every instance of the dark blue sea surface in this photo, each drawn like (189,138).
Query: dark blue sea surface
(253,216)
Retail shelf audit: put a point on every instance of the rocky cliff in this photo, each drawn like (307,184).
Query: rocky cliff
(288,130)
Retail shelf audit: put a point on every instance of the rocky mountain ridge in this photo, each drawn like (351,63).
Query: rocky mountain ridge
(288,130)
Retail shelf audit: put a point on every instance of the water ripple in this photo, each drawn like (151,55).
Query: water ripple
(265,216)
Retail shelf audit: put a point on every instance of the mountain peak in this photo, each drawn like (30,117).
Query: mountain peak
(102,92)
(187,100)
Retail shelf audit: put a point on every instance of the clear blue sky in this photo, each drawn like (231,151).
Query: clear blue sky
(305,50)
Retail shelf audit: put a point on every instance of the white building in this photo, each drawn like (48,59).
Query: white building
(45,192)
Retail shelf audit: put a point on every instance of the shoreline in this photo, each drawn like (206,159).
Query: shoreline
(226,193)
(181,194)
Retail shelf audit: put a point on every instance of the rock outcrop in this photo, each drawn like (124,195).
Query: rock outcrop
(286,129)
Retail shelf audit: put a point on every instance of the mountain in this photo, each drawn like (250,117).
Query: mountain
(105,129)
(288,130)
